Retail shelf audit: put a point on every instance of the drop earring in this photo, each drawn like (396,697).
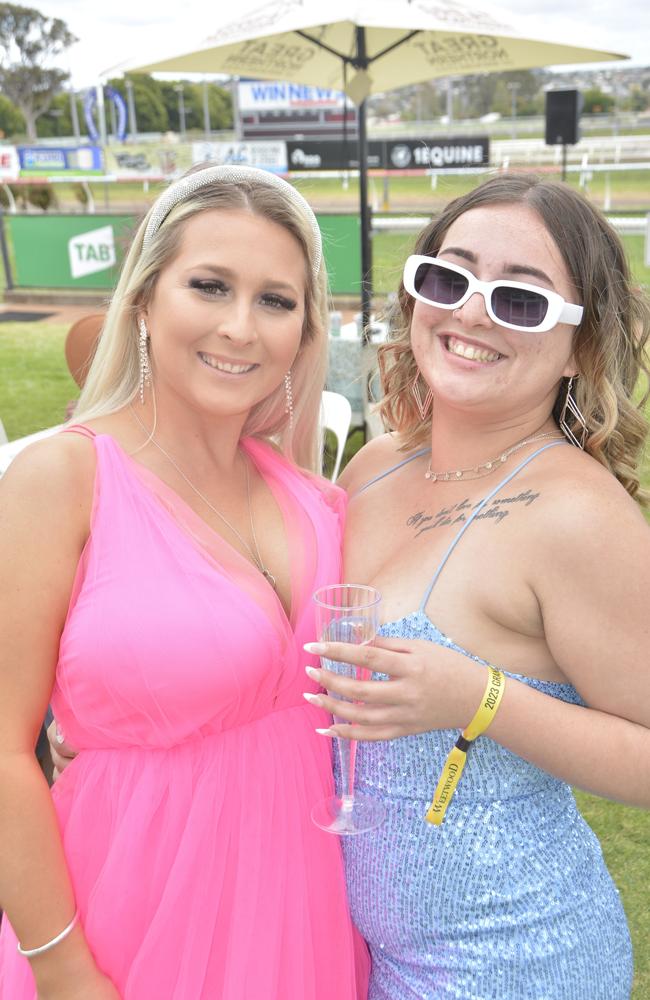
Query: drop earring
(570,410)
(423,405)
(288,392)
(143,355)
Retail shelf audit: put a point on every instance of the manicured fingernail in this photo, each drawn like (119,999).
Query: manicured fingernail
(314,647)
(313,699)
(60,738)
(325,732)
(312,672)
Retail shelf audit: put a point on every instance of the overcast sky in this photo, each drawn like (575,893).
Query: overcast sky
(111,31)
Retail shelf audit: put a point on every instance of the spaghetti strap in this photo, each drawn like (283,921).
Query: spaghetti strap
(477,510)
(393,468)
(79,429)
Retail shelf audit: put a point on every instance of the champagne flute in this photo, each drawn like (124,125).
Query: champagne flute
(347,612)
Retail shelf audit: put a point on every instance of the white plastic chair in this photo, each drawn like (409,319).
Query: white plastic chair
(336,416)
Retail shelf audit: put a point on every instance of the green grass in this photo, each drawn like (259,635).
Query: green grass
(390,249)
(635,247)
(624,834)
(111,197)
(35,384)
(628,191)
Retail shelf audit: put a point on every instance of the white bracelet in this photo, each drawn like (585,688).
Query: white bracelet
(30,952)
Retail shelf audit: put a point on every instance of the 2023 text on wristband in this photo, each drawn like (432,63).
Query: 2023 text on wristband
(455,762)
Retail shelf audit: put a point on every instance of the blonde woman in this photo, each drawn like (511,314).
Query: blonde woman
(498,520)
(156,569)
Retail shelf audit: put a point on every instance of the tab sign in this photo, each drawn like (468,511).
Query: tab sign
(91,252)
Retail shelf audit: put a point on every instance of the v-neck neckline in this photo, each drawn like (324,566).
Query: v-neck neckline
(156,486)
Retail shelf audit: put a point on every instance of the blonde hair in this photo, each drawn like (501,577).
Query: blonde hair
(112,381)
(609,344)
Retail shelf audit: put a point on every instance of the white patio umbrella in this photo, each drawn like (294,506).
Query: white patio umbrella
(368,47)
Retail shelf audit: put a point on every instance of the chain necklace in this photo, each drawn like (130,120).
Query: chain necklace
(255,555)
(485,468)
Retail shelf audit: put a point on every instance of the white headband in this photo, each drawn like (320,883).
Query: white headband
(180,190)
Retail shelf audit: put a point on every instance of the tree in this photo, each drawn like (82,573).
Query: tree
(57,120)
(420,102)
(28,43)
(150,112)
(219,105)
(487,92)
(156,104)
(169,98)
(638,99)
(596,102)
(11,120)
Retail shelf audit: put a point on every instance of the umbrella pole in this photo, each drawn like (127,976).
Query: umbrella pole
(366,256)
(361,63)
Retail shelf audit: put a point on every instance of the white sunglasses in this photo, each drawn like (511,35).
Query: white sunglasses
(512,304)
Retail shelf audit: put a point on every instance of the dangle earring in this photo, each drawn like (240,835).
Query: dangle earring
(423,405)
(143,353)
(288,392)
(571,410)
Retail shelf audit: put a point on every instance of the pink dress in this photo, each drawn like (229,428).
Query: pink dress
(185,817)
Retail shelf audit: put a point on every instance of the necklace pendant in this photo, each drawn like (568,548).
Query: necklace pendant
(484,468)
(268,575)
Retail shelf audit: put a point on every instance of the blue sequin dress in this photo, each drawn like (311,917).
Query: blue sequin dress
(509,899)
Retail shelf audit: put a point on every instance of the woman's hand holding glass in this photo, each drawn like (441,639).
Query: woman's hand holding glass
(428,687)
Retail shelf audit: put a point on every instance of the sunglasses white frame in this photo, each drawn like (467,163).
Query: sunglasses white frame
(559,310)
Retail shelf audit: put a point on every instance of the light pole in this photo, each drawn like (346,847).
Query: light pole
(101,114)
(234,96)
(514,88)
(111,110)
(56,114)
(133,125)
(206,111)
(179,88)
(74,115)
(450,99)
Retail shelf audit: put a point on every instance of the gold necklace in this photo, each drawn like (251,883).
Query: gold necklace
(485,468)
(255,555)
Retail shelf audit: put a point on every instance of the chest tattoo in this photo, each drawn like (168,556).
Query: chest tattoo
(495,511)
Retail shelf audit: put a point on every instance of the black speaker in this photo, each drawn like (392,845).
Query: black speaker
(563,117)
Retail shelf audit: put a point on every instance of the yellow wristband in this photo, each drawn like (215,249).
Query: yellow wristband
(455,761)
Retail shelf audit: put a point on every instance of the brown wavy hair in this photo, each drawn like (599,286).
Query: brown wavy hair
(609,344)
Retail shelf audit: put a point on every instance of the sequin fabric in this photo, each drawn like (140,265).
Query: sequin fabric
(509,899)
